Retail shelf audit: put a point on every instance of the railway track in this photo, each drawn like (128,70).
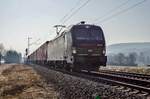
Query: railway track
(136,86)
(127,74)
(141,86)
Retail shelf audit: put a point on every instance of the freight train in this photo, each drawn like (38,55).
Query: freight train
(79,47)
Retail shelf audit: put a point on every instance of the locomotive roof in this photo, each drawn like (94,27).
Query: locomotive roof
(69,29)
(80,25)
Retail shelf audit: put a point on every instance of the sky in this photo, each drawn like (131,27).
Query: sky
(20,19)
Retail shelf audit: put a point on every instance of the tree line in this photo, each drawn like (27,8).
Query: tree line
(131,59)
(9,56)
(122,59)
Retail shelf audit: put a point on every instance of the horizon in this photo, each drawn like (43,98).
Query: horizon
(128,43)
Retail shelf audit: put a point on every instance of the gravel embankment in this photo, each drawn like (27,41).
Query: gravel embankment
(70,87)
(22,82)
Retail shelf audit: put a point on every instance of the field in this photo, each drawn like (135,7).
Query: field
(22,82)
(131,69)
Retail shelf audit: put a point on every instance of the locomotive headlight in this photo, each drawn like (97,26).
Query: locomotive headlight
(104,51)
(74,51)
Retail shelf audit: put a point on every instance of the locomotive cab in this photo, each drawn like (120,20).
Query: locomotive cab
(88,47)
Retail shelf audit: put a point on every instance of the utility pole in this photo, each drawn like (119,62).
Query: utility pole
(27,50)
(29,44)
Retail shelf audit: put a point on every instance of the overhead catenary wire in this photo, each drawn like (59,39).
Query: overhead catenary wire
(120,12)
(112,10)
(73,13)
(70,11)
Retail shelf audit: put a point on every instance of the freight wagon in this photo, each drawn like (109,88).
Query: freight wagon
(39,56)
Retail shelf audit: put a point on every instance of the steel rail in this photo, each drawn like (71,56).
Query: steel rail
(136,75)
(123,81)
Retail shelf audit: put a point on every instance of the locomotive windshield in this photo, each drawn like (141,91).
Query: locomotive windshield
(88,33)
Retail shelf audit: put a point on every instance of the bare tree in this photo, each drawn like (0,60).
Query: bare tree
(132,59)
(12,57)
(120,58)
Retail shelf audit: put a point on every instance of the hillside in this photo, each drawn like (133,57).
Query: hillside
(142,51)
(129,47)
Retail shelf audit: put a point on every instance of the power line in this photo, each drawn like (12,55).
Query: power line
(73,13)
(120,12)
(85,3)
(112,10)
(67,14)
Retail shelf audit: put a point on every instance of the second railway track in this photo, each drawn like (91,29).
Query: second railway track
(127,74)
(138,84)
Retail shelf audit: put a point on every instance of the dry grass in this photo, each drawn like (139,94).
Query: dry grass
(22,82)
(137,70)
(140,70)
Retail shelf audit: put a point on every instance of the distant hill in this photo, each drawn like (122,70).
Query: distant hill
(129,48)
(142,50)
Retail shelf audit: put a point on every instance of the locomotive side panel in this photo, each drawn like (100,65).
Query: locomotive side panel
(68,47)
